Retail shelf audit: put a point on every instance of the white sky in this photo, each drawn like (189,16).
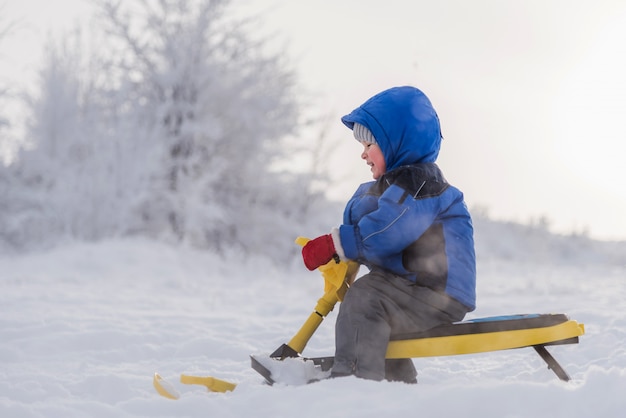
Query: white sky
(531,93)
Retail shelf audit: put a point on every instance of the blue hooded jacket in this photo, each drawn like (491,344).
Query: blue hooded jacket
(410,221)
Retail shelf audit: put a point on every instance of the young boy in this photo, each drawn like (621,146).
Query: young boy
(409,227)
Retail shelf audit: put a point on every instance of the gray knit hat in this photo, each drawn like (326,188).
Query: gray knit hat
(362,134)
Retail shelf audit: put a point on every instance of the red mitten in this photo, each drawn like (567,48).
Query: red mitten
(319,251)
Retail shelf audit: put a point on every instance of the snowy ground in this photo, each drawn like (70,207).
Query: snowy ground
(84,327)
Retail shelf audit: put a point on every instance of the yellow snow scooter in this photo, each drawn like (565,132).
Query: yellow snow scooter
(478,335)
(466,337)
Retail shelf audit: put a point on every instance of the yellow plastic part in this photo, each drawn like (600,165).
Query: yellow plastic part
(337,278)
(213,384)
(164,388)
(480,343)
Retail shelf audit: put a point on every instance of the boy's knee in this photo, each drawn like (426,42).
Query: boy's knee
(359,297)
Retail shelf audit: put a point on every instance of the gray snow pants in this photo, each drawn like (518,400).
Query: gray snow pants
(377,306)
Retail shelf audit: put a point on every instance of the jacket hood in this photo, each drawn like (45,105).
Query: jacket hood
(404,123)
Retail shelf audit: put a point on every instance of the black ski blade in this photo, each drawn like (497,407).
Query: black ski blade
(262,370)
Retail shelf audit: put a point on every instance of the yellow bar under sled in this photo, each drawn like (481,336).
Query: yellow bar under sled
(480,343)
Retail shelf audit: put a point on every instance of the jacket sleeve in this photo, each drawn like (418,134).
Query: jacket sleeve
(398,221)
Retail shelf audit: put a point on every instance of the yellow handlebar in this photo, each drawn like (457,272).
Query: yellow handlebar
(337,279)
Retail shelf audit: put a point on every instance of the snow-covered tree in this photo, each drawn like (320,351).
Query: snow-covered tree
(173,127)
(216,106)
(59,179)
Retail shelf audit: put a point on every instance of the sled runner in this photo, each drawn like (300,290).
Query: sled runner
(465,337)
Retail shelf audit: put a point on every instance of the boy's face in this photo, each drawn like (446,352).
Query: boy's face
(373,156)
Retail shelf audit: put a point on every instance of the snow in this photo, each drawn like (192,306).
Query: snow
(291,371)
(84,327)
